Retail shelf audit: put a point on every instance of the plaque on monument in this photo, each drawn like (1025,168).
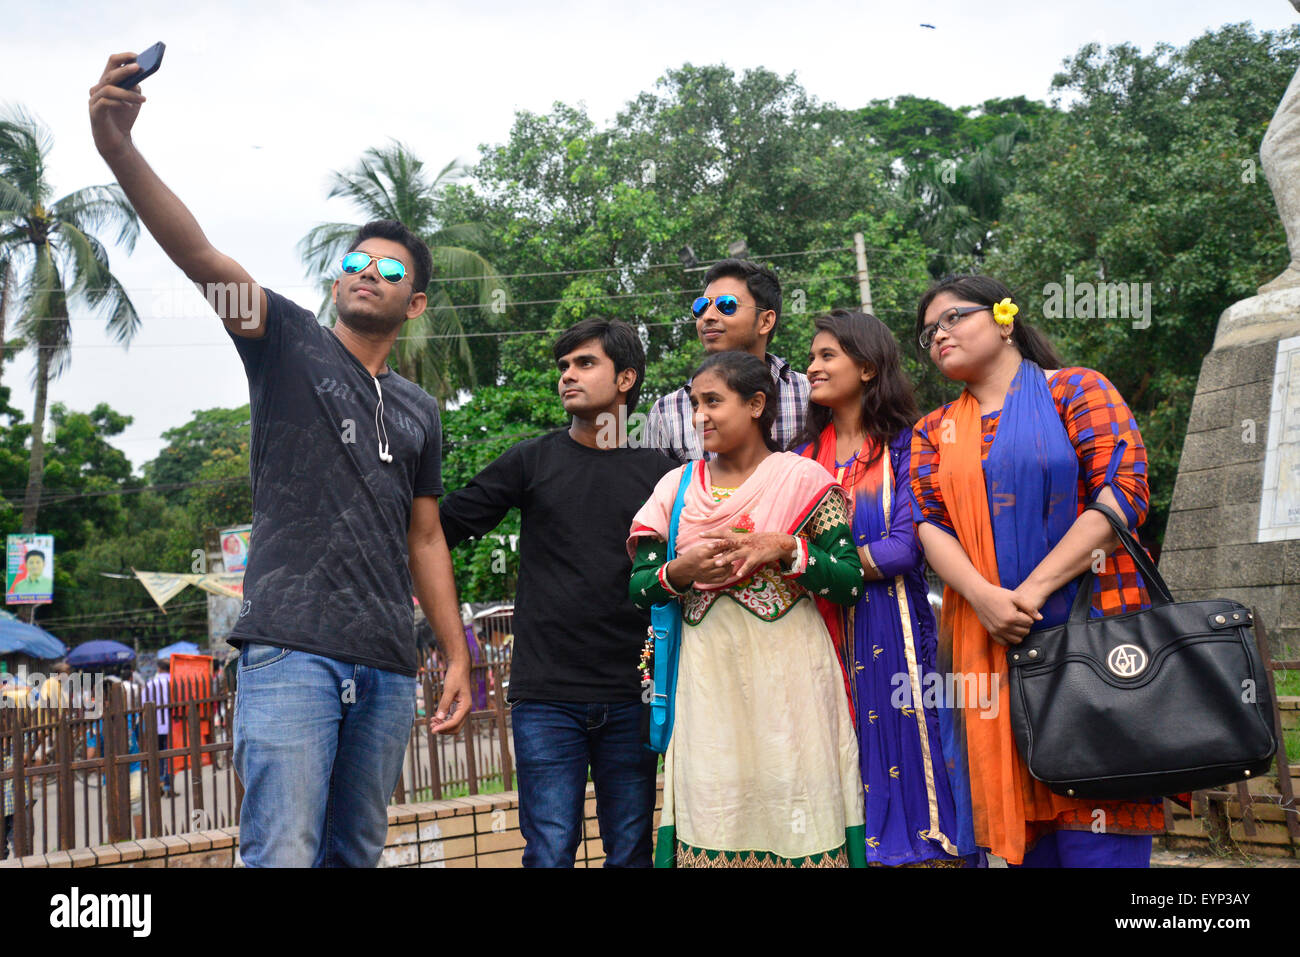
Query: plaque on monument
(1279,507)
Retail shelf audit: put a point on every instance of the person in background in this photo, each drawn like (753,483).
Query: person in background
(739,311)
(158,690)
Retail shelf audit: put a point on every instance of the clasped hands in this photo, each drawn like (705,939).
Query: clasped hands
(726,554)
(1008,615)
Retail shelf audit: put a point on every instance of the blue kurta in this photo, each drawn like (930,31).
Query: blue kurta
(889,656)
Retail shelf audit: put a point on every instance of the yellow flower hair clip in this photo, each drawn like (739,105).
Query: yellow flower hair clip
(1004,313)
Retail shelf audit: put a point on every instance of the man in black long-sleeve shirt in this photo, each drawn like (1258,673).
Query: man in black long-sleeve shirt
(574,688)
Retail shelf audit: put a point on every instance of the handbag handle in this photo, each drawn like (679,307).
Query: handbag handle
(1156,587)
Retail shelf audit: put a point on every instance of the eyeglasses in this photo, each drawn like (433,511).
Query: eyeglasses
(946,322)
(727,305)
(390,269)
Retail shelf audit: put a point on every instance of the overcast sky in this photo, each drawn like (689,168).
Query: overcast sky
(256,103)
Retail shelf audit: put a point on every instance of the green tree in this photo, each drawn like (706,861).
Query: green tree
(391,183)
(1149,177)
(190,446)
(56,251)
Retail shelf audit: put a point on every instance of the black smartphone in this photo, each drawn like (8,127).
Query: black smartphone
(149,61)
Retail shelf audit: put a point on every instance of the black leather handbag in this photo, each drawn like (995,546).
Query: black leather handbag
(1170,699)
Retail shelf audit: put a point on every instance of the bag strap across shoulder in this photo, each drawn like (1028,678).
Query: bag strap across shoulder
(677,509)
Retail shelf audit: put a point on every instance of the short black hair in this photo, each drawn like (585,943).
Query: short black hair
(34,551)
(421,259)
(620,342)
(761,282)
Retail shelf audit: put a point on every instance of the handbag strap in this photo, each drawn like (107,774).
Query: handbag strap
(1156,587)
(677,509)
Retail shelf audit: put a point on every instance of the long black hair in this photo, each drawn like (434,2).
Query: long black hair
(987,291)
(747,375)
(888,404)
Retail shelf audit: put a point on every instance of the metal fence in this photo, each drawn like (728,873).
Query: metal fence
(87,771)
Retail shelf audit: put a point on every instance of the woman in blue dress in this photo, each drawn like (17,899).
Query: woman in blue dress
(859,426)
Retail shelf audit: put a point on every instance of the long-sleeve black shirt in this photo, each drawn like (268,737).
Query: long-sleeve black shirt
(577,634)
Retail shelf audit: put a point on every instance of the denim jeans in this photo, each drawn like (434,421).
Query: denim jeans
(318,746)
(555,742)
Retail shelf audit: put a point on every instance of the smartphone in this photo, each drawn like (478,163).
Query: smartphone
(149,61)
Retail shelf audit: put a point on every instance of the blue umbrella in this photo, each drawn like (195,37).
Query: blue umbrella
(179,648)
(101,652)
(20,637)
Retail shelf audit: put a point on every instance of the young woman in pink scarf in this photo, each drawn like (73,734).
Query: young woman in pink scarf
(762,767)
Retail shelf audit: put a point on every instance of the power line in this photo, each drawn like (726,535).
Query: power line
(526,302)
(94,619)
(500,333)
(16,497)
(530,275)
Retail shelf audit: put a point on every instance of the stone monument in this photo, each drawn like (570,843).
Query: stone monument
(1234,522)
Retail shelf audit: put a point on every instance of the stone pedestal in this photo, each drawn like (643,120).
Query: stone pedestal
(1234,523)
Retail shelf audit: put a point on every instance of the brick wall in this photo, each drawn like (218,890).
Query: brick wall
(477,831)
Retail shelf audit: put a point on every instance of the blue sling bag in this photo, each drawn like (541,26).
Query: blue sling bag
(666,622)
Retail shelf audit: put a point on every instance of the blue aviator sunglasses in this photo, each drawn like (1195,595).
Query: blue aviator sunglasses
(727,304)
(390,269)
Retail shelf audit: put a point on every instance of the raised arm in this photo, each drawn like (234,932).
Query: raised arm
(224,283)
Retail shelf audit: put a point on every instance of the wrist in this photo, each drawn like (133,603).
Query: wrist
(117,153)
(673,575)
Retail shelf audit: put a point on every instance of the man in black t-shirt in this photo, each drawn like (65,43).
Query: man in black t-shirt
(574,688)
(346,470)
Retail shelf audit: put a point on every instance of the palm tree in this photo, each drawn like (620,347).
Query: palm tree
(390,183)
(55,256)
(954,206)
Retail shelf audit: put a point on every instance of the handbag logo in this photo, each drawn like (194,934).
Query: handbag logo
(1127,661)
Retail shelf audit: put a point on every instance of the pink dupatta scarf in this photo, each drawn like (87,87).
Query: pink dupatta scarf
(777,497)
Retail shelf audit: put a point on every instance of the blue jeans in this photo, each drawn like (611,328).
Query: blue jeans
(555,742)
(318,746)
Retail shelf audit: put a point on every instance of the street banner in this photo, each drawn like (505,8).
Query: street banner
(29,569)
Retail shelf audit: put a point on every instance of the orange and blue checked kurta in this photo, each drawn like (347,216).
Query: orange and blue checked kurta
(1109,446)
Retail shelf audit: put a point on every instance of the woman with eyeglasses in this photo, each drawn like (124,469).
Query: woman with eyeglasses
(859,428)
(1001,477)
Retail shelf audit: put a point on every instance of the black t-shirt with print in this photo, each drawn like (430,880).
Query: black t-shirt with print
(327,566)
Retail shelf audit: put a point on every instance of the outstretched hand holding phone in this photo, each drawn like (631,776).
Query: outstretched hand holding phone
(113,112)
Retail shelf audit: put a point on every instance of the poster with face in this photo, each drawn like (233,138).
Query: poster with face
(29,569)
(234,547)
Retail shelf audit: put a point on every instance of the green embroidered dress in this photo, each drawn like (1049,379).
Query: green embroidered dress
(762,770)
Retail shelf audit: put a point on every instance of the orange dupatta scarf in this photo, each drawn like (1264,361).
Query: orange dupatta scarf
(1009,808)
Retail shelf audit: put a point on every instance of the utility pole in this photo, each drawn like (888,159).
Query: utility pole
(864,278)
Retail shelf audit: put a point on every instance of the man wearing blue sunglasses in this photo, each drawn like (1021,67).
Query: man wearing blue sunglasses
(346,470)
(739,311)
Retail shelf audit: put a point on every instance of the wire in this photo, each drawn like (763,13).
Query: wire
(527,302)
(16,496)
(63,622)
(532,275)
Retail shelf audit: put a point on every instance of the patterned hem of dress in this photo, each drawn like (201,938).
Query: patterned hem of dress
(688,856)
(928,862)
